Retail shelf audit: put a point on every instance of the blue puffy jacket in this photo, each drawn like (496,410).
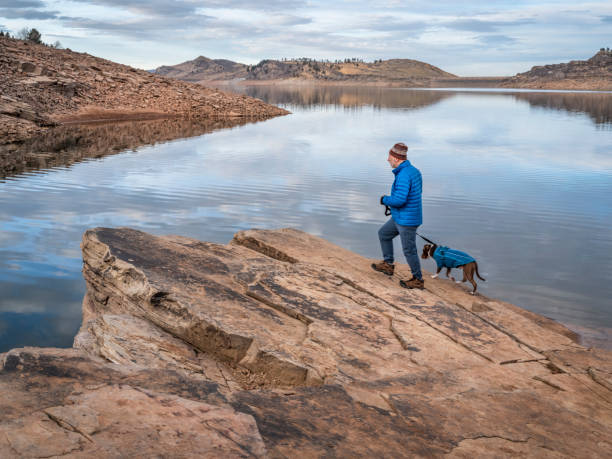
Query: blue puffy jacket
(405,199)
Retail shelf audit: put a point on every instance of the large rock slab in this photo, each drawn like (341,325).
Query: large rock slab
(293,346)
(496,330)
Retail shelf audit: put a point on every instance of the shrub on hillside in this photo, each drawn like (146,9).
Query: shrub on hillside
(32,35)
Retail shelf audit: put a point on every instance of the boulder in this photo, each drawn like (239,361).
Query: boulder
(29,67)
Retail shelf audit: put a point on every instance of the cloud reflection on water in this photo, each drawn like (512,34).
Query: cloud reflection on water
(515,187)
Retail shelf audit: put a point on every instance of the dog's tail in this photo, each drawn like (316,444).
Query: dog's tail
(478,274)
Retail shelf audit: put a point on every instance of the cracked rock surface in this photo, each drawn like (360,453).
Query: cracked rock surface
(281,344)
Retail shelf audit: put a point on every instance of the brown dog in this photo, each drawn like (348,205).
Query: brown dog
(449,259)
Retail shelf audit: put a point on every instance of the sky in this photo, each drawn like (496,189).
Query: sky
(464,37)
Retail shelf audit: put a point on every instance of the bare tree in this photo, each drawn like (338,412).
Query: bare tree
(23,33)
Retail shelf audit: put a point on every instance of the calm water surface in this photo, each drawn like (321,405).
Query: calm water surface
(522,181)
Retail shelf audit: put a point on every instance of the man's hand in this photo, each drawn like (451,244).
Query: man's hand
(381,200)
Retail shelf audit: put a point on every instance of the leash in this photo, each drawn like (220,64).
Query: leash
(388,212)
(428,240)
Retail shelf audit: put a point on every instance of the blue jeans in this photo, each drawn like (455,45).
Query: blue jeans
(407,234)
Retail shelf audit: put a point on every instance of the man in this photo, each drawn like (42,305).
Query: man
(406,216)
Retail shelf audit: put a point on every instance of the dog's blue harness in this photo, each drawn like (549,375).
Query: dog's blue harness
(449,258)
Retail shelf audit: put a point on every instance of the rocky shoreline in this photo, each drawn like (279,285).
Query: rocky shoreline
(281,344)
(42,87)
(594,74)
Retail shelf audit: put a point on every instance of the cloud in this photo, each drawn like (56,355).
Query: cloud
(289,20)
(27,13)
(266,5)
(388,23)
(183,7)
(249,31)
(21,4)
(496,40)
(25,9)
(192,27)
(160,8)
(185,19)
(140,27)
(483,25)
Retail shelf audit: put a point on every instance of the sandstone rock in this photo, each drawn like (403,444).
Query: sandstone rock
(123,421)
(62,402)
(283,344)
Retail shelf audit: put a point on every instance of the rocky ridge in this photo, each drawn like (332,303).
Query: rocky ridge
(42,86)
(592,74)
(405,71)
(282,344)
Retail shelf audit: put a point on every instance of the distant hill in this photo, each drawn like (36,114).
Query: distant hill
(394,70)
(594,74)
(203,68)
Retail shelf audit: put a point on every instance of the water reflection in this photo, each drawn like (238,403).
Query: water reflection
(598,106)
(67,145)
(344,96)
(520,189)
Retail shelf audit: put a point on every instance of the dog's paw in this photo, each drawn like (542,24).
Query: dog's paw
(457,282)
(434,276)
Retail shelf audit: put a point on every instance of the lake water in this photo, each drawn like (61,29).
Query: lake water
(520,180)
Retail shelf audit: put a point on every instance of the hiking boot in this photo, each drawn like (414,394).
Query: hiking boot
(384,267)
(413,283)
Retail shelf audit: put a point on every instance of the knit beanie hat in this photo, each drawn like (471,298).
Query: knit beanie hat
(399,151)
